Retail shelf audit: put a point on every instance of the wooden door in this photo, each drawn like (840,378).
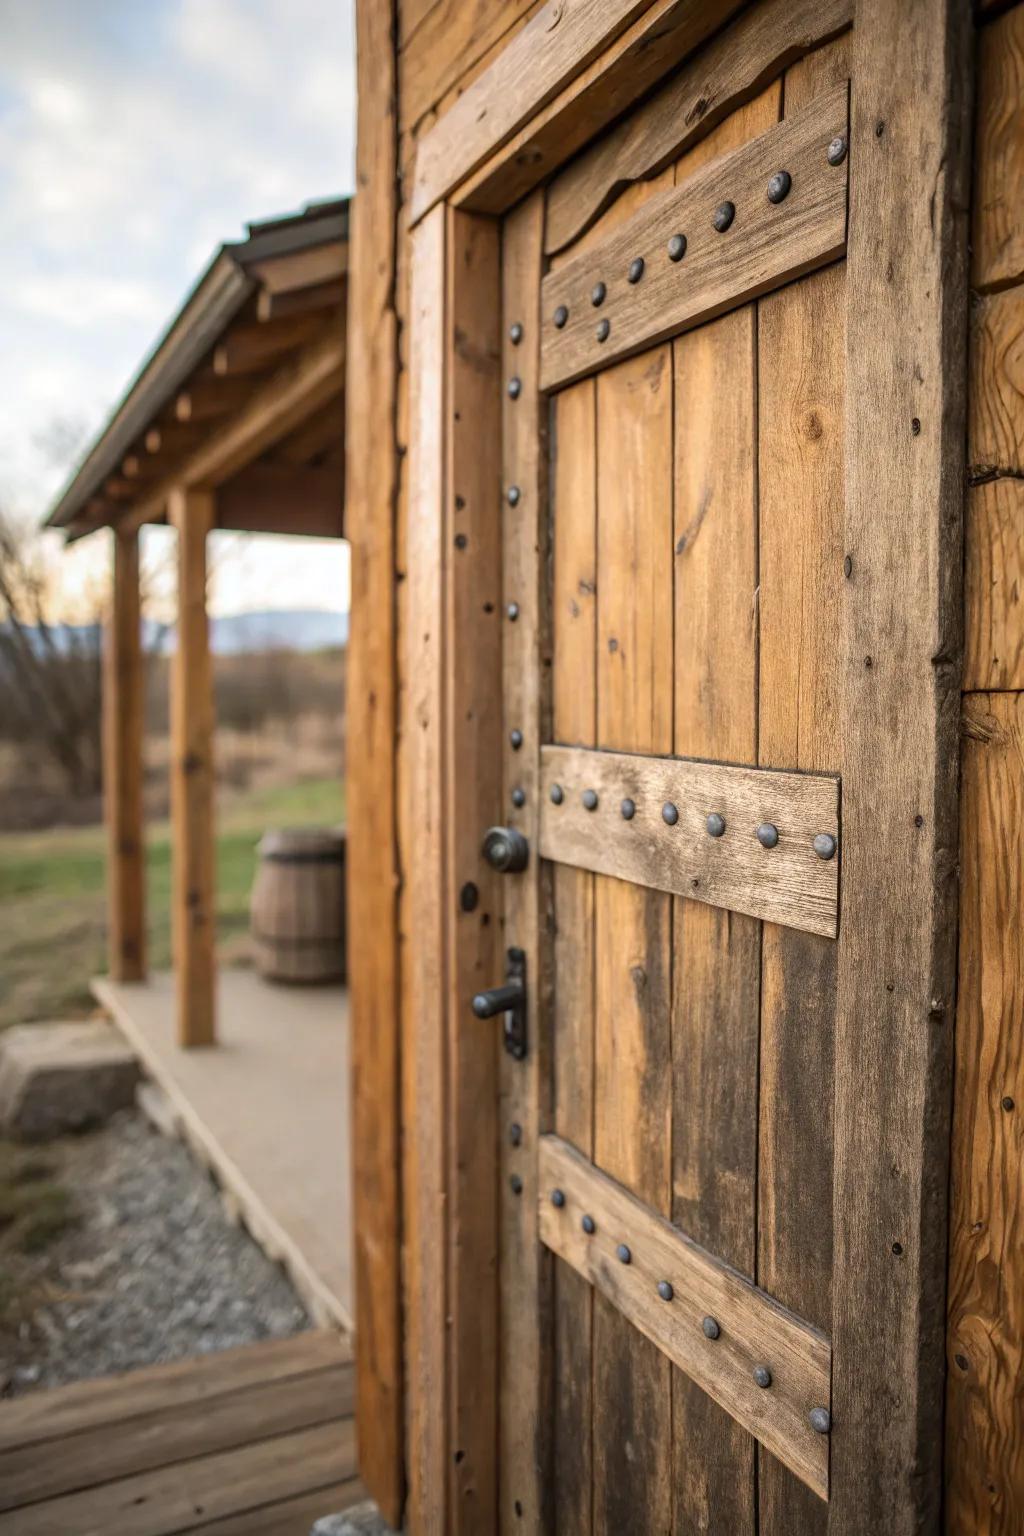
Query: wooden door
(703,659)
(678,729)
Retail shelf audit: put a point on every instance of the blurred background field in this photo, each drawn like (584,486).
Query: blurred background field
(279,761)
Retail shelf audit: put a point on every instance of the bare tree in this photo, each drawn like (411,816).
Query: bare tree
(49,672)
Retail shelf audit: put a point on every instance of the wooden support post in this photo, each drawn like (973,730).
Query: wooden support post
(122,768)
(193,907)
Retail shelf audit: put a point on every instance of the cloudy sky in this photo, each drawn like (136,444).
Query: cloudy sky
(135,136)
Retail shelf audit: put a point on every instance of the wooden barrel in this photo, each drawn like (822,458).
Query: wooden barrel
(298,905)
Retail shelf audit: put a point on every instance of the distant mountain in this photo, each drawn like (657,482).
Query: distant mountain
(287,629)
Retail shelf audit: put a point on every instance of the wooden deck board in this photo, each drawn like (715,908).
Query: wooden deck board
(267,1108)
(170,1449)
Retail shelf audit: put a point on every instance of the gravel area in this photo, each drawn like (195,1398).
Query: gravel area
(147,1270)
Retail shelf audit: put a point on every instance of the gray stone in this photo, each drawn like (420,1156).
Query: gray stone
(361,1520)
(56,1078)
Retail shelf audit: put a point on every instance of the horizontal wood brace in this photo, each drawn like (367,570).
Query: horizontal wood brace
(753,840)
(767,1368)
(634,288)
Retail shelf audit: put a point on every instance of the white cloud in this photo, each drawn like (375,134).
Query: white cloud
(134,138)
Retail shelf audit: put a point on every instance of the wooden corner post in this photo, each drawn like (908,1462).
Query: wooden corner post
(122,767)
(191,513)
(371,473)
(899,702)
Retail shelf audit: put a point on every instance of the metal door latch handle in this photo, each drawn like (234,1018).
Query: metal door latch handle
(509,999)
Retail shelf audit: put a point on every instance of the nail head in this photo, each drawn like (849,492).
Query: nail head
(723,216)
(590,799)
(669,814)
(711,1328)
(665,1290)
(598,294)
(821,1420)
(561,315)
(557,794)
(557,1198)
(636,269)
(588,1226)
(762,1375)
(825,845)
(515,388)
(715,824)
(628,809)
(767,835)
(624,1255)
(779,186)
(677,248)
(603,330)
(836,152)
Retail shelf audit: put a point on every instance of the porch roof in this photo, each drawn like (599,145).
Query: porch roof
(243,392)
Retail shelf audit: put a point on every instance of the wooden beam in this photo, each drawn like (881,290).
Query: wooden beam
(171,437)
(252,348)
(371,472)
(192,513)
(898,631)
(206,397)
(303,301)
(282,498)
(425,1117)
(122,768)
(303,269)
(321,433)
(298,389)
(137,468)
(588,59)
(733,68)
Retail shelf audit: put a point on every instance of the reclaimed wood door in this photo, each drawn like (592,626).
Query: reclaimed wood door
(676,726)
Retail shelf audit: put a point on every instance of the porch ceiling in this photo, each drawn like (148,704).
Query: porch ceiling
(243,393)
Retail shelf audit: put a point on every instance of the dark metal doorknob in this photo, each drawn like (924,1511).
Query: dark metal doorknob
(506,850)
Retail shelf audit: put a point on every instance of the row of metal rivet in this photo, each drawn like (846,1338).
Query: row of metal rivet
(767,833)
(722,218)
(820,1419)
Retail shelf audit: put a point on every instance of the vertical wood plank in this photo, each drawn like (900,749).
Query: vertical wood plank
(898,715)
(984,1442)
(525,1437)
(574,598)
(472,545)
(802,345)
(802,352)
(632,1049)
(191,513)
(424,1055)
(716,954)
(998,232)
(122,766)
(370,781)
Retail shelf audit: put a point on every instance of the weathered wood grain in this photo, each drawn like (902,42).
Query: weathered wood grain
(788,883)
(900,619)
(442,43)
(573,683)
(984,1441)
(801,370)
(767,244)
(994,586)
(754,1328)
(174,1433)
(716,954)
(573,69)
(87,1405)
(193,911)
(995,441)
(424,1106)
(472,703)
(122,766)
(998,219)
(632,1441)
(524,1445)
(725,74)
(164,1502)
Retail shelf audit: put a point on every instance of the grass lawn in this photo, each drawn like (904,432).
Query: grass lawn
(52,896)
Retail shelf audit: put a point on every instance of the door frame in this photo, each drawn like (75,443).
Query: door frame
(899,701)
